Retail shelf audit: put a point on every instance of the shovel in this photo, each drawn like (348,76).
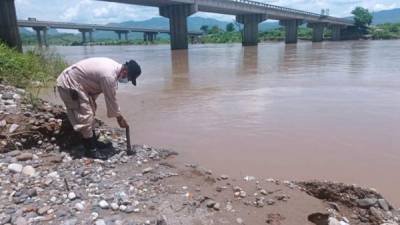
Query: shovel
(128,142)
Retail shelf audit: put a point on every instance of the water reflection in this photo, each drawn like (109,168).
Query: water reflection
(180,78)
(359,56)
(249,61)
(288,59)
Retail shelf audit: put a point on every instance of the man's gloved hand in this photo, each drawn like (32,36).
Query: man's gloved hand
(122,122)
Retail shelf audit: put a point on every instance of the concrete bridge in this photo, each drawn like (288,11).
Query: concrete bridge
(247,12)
(41,27)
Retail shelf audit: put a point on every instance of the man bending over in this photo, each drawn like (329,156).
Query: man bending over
(79,86)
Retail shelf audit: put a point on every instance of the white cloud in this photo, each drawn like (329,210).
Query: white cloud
(382,6)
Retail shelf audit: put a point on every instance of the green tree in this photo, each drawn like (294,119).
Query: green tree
(362,17)
(214,30)
(204,28)
(230,27)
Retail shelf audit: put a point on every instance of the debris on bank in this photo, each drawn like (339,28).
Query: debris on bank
(45,180)
(365,206)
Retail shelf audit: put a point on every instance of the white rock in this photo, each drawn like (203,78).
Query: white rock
(29,171)
(239,220)
(16,96)
(13,128)
(114,206)
(104,204)
(79,206)
(71,196)
(147,170)
(249,178)
(53,174)
(15,167)
(334,221)
(100,222)
(3,123)
(122,208)
(94,215)
(53,199)
(270,180)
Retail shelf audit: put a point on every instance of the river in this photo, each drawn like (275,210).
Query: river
(326,110)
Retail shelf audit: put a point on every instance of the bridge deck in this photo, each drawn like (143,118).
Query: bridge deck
(77,26)
(240,7)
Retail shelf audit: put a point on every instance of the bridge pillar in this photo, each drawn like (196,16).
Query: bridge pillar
(91,36)
(9,32)
(119,35)
(336,32)
(45,40)
(153,36)
(318,31)
(291,27)
(250,31)
(177,15)
(149,36)
(126,36)
(83,36)
(38,36)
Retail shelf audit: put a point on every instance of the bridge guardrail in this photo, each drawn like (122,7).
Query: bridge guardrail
(290,10)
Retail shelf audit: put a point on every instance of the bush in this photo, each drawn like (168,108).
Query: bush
(32,70)
(385,31)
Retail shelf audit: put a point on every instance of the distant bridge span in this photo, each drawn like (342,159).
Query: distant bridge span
(42,26)
(249,13)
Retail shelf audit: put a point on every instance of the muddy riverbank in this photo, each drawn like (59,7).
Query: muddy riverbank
(43,180)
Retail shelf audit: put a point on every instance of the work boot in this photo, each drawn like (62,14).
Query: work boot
(103,145)
(91,151)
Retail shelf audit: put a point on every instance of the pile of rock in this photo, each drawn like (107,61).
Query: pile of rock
(367,205)
(44,187)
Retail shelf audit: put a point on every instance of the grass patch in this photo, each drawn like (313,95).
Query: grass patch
(32,70)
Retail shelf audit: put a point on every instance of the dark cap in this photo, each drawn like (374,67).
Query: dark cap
(134,71)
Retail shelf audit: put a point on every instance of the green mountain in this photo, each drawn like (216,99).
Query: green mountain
(386,16)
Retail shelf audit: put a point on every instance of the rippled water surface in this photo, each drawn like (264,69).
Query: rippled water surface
(329,110)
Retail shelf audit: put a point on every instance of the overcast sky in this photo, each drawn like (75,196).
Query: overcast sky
(91,11)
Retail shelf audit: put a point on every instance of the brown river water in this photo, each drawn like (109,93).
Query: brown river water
(326,110)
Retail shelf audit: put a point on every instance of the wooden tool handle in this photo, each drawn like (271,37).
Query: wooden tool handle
(128,139)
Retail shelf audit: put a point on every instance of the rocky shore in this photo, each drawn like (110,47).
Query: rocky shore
(45,180)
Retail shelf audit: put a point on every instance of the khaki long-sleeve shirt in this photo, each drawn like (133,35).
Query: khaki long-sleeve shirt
(92,77)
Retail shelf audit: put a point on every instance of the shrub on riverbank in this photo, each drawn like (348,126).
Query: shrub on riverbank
(385,31)
(31,70)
